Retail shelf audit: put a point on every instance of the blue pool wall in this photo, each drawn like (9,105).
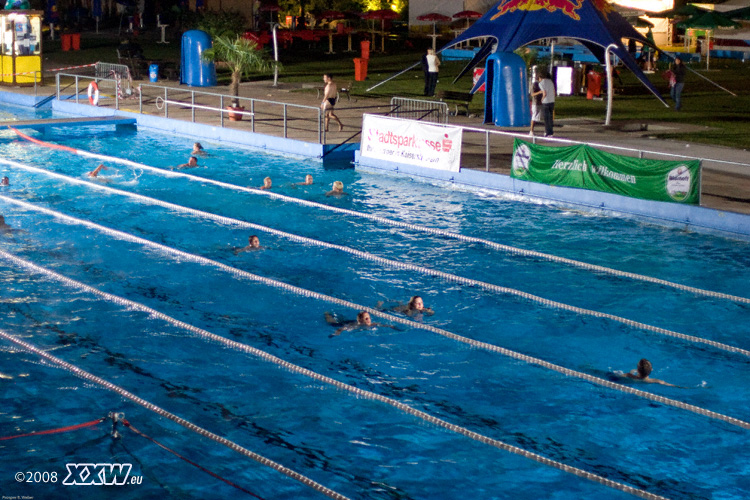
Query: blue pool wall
(687,216)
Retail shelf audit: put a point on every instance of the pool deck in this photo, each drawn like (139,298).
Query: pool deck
(724,187)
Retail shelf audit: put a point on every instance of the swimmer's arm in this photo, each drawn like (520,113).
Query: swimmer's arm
(660,382)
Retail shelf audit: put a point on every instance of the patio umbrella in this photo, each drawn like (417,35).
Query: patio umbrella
(683,11)
(467,14)
(639,22)
(381,14)
(708,21)
(741,13)
(434,18)
(270,9)
(330,15)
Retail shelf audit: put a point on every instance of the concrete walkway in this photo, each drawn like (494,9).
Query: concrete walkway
(725,186)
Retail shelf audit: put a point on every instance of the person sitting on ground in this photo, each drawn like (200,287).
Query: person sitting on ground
(414,307)
(192,163)
(338,189)
(266,184)
(198,149)
(308,180)
(642,373)
(253,243)
(363,321)
(5,181)
(95,172)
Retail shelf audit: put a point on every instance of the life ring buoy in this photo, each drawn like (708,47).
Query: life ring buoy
(94,94)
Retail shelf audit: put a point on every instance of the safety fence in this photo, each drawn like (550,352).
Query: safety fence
(420,109)
(111,87)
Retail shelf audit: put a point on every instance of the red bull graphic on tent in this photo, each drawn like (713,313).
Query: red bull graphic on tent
(515,23)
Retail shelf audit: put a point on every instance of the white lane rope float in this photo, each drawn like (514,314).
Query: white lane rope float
(395,264)
(171,416)
(181,255)
(419,228)
(315,376)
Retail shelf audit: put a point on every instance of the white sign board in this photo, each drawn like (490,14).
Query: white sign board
(412,142)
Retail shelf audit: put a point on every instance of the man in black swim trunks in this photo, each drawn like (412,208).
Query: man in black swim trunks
(329,101)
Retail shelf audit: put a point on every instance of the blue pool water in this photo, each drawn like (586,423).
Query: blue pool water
(360,448)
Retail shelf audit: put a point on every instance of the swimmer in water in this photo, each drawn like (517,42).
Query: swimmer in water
(266,183)
(308,180)
(642,373)
(415,307)
(198,149)
(6,181)
(95,172)
(363,321)
(6,229)
(192,163)
(338,189)
(253,243)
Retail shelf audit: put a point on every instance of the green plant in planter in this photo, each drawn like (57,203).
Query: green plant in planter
(242,57)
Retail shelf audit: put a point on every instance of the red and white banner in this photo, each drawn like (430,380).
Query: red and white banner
(413,142)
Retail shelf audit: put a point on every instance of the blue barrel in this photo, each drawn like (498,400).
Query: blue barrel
(153,73)
(506,100)
(194,71)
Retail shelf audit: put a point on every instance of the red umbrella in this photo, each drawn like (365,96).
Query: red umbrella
(381,14)
(467,14)
(331,14)
(434,18)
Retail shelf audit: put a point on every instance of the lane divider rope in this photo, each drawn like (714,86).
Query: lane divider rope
(171,416)
(415,227)
(178,254)
(333,382)
(396,264)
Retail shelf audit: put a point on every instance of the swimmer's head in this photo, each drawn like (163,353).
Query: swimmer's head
(338,186)
(197,147)
(254,241)
(644,368)
(416,303)
(363,318)
(193,161)
(6,181)
(308,179)
(267,182)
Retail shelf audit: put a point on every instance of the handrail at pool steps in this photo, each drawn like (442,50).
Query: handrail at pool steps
(200,101)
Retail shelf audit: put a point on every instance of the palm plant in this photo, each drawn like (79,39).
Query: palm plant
(241,56)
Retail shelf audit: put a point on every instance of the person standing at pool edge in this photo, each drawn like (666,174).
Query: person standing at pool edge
(431,75)
(678,70)
(329,101)
(547,88)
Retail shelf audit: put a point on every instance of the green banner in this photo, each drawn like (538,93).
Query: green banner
(588,168)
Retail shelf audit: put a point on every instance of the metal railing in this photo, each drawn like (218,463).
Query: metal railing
(263,116)
(420,109)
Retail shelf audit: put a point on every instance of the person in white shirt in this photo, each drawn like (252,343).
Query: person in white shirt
(547,88)
(431,76)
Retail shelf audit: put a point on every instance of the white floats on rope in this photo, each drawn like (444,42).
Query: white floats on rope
(179,254)
(315,376)
(171,416)
(419,228)
(396,264)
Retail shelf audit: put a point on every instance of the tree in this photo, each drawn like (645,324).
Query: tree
(241,56)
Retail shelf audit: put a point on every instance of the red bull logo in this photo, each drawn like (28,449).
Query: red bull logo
(567,7)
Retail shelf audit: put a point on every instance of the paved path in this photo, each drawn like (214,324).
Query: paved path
(724,186)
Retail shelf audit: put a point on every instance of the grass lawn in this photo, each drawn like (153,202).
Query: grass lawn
(726,117)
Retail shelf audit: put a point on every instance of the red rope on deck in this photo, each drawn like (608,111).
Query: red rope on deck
(56,431)
(127,424)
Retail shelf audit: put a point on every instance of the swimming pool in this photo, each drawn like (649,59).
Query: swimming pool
(164,241)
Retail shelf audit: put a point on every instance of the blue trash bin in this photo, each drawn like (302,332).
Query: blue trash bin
(153,72)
